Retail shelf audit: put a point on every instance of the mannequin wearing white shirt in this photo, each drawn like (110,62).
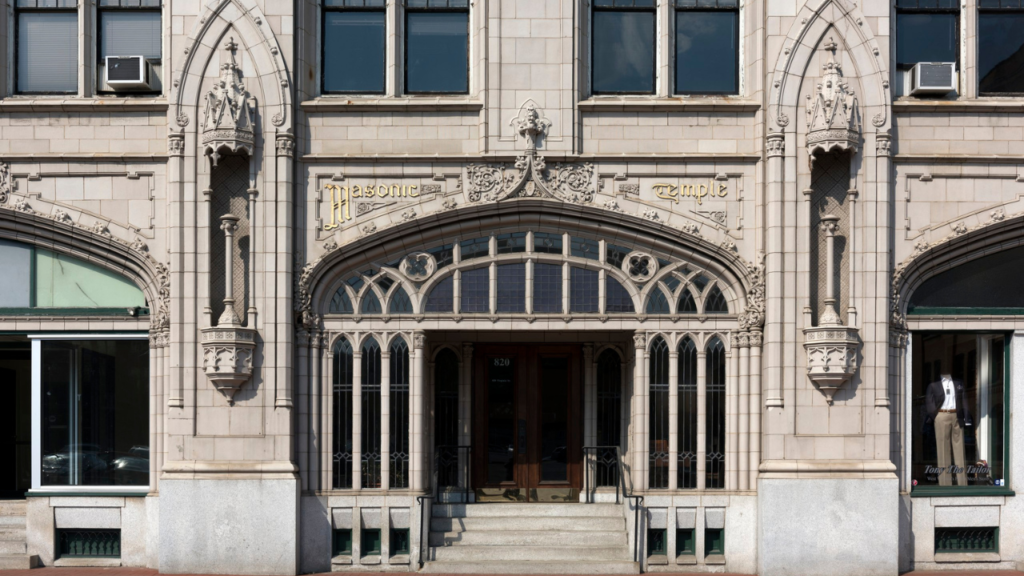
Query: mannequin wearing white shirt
(945,403)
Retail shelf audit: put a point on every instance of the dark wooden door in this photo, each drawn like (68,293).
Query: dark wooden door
(528,430)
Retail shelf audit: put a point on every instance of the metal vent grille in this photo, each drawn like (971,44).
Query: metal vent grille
(89,543)
(230,184)
(124,69)
(960,540)
(830,181)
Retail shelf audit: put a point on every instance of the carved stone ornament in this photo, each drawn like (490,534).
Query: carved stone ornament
(530,177)
(831,347)
(230,112)
(640,266)
(418,266)
(530,124)
(833,118)
(5,182)
(228,347)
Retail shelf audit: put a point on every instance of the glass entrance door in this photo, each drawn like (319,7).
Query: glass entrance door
(527,430)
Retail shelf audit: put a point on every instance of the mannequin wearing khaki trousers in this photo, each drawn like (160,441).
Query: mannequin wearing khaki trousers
(949,436)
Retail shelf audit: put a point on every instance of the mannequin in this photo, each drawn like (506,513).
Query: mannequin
(947,408)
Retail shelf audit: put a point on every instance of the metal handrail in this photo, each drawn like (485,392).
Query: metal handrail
(458,450)
(621,487)
(424,518)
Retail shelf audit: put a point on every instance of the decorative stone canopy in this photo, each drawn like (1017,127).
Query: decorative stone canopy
(831,347)
(228,347)
(833,118)
(230,112)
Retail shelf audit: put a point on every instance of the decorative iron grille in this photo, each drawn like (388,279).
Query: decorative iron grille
(89,543)
(960,540)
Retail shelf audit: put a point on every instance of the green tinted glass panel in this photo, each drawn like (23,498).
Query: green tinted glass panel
(342,542)
(399,541)
(714,541)
(66,282)
(686,542)
(657,542)
(371,542)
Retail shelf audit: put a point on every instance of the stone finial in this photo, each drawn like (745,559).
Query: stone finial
(531,124)
(230,111)
(833,116)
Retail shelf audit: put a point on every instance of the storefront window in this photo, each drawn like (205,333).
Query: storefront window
(959,406)
(94,400)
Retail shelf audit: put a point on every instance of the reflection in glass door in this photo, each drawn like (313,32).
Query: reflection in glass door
(527,429)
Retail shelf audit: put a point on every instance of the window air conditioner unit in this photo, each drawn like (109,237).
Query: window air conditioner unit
(126,72)
(932,78)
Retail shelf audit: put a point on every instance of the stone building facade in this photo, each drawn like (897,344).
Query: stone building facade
(528,285)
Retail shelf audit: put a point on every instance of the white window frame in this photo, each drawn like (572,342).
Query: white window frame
(37,420)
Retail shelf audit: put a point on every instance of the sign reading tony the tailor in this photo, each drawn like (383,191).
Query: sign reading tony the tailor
(341,198)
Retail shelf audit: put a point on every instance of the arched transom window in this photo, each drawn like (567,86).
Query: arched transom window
(532,273)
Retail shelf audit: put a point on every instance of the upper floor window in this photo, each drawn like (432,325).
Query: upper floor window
(1000,47)
(707,46)
(353,39)
(623,33)
(126,30)
(47,47)
(437,46)
(926,31)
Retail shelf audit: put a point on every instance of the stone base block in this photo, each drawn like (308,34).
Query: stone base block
(828,527)
(229,526)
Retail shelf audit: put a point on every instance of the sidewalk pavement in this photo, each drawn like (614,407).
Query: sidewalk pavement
(147,572)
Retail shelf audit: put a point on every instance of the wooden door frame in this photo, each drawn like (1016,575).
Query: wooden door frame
(526,403)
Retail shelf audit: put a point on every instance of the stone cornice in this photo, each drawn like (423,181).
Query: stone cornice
(673,104)
(37,104)
(393,104)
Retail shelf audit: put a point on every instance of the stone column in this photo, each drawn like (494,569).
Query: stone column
(742,415)
(175,184)
(883,168)
(281,255)
(774,286)
(305,414)
(732,377)
(250,316)
(326,454)
(639,444)
(418,410)
(755,408)
(315,446)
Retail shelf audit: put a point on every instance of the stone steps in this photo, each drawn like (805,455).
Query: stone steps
(620,567)
(13,541)
(528,538)
(565,524)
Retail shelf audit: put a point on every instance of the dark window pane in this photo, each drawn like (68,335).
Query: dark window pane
(399,438)
(341,303)
(353,57)
(443,255)
(371,458)
(991,281)
(714,445)
(687,456)
(925,38)
(658,418)
(547,243)
(707,52)
(617,299)
(584,248)
(623,47)
(437,52)
(129,33)
(547,288)
(715,302)
(615,255)
(1001,52)
(512,288)
(441,297)
(343,373)
(95,413)
(476,290)
(511,243)
(47,52)
(687,305)
(400,303)
(657,303)
(583,295)
(672,282)
(370,304)
(554,412)
(476,248)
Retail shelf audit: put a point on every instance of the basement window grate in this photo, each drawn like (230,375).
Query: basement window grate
(342,542)
(89,543)
(399,541)
(370,542)
(960,540)
(686,542)
(714,541)
(657,542)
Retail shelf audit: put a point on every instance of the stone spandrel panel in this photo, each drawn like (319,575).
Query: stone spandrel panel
(935,203)
(707,201)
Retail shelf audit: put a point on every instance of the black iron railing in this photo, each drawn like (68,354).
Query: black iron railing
(603,467)
(451,469)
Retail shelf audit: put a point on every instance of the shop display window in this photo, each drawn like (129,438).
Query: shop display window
(959,410)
